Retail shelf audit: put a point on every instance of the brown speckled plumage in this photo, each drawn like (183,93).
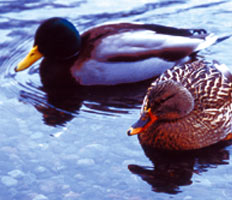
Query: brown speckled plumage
(210,119)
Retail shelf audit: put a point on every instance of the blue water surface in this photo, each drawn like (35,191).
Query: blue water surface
(75,146)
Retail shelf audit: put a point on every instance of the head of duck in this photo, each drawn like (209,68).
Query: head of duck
(57,39)
(166,101)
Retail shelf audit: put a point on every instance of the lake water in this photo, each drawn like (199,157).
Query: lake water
(75,146)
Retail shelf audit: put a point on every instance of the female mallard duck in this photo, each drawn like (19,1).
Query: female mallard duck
(115,53)
(187,107)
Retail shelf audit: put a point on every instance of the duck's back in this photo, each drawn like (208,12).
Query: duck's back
(124,53)
(208,82)
(210,121)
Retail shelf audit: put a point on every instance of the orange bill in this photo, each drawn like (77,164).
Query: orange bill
(146,119)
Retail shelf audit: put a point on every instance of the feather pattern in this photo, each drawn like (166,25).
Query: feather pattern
(211,119)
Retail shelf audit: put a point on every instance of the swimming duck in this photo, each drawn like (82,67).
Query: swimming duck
(112,54)
(187,107)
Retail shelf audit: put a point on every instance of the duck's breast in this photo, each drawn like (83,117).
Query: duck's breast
(104,73)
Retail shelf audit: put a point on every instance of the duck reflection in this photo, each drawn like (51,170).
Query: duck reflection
(174,169)
(63,99)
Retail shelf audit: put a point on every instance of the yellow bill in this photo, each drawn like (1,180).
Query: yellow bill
(31,58)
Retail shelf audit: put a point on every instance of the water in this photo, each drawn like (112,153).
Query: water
(75,146)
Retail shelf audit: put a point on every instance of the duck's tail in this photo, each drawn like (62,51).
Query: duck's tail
(210,40)
(220,39)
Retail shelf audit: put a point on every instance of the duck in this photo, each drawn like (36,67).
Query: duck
(111,54)
(188,107)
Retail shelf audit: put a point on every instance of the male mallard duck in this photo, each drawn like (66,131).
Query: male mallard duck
(187,107)
(114,53)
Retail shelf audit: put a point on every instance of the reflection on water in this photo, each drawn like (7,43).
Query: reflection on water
(89,156)
(60,101)
(60,106)
(174,169)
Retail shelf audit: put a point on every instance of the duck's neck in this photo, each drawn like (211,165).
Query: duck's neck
(57,74)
